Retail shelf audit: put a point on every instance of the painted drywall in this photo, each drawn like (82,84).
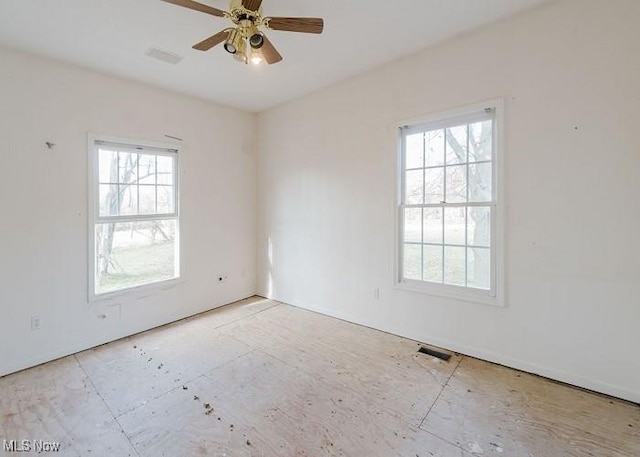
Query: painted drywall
(570,76)
(43,196)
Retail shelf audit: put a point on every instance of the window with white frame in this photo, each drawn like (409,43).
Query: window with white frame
(449,205)
(134,215)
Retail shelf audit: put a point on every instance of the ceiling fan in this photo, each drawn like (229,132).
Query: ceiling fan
(245,40)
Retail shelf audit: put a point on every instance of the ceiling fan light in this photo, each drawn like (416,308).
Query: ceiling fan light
(256,57)
(241,49)
(234,41)
(256,40)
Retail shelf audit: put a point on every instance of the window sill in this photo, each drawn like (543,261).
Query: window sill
(137,292)
(451,292)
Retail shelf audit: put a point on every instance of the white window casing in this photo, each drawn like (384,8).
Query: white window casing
(134,216)
(450,205)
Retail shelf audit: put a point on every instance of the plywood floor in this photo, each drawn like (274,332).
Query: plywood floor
(258,378)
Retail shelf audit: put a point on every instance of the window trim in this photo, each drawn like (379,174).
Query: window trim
(141,290)
(496,297)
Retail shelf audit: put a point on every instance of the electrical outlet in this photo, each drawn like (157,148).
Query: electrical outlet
(36,323)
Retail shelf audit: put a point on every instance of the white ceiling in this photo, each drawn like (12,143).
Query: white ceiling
(112,36)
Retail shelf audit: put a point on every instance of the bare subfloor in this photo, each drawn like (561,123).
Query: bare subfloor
(258,378)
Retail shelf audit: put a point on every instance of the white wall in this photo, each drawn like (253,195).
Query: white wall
(570,75)
(43,201)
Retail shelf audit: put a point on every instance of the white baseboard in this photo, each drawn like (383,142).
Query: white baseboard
(66,351)
(489,356)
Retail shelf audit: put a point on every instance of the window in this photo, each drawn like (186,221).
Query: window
(134,215)
(448,212)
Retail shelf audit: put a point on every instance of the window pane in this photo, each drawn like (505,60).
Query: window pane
(434,147)
(147,199)
(434,185)
(432,261)
(412,259)
(480,182)
(108,200)
(412,225)
(128,200)
(132,254)
(456,184)
(480,141)
(454,266)
(479,227)
(165,169)
(128,164)
(108,166)
(414,190)
(479,268)
(457,145)
(447,171)
(433,225)
(166,200)
(147,168)
(454,226)
(414,157)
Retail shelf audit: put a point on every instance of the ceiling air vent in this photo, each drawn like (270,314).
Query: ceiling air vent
(164,56)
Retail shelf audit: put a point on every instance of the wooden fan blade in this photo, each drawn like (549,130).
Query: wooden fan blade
(252,5)
(296,24)
(197,6)
(212,41)
(269,52)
